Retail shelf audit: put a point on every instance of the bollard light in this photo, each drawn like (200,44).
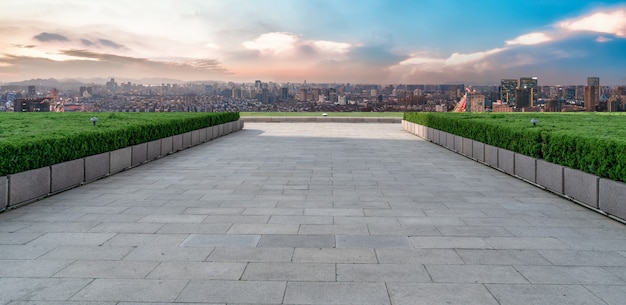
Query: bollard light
(94,120)
(534,122)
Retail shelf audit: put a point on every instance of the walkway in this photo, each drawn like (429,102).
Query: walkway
(311,213)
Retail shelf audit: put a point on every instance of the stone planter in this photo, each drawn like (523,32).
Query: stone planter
(67,175)
(139,154)
(177,142)
(154,150)
(167,146)
(478,151)
(612,197)
(550,176)
(467,148)
(581,186)
(96,166)
(195,137)
(29,185)
(506,161)
(121,159)
(187,140)
(202,135)
(4,193)
(491,156)
(450,141)
(525,167)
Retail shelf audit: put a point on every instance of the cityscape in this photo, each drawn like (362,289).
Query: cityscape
(512,95)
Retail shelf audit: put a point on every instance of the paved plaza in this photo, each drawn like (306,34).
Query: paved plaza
(311,213)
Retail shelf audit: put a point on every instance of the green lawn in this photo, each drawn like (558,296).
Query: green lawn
(333,114)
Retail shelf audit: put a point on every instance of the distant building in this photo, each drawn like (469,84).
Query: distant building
(32,105)
(523,98)
(284,93)
(507,91)
(592,94)
(529,84)
(476,102)
(553,105)
(31,91)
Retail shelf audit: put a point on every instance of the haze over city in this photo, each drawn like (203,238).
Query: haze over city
(364,41)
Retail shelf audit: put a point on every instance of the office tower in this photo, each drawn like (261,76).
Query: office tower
(476,102)
(523,97)
(31,91)
(529,84)
(284,93)
(592,93)
(258,84)
(507,91)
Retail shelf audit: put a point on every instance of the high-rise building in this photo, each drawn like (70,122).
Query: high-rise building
(530,84)
(507,91)
(523,98)
(31,91)
(284,93)
(475,102)
(592,93)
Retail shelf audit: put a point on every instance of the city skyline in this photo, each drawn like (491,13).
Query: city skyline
(318,41)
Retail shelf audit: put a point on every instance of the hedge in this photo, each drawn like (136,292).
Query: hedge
(591,142)
(34,140)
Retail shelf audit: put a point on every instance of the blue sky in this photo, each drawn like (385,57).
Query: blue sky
(357,41)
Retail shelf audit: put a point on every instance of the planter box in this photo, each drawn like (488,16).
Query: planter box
(506,161)
(96,166)
(154,150)
(195,137)
(187,140)
(612,196)
(120,160)
(241,124)
(67,175)
(167,146)
(4,193)
(580,186)
(202,135)
(29,185)
(177,142)
(430,134)
(526,167)
(443,138)
(467,147)
(550,176)
(450,141)
(458,144)
(220,130)
(216,132)
(478,151)
(139,154)
(491,155)
(436,136)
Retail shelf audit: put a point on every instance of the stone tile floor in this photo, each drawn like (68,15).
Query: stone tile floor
(311,213)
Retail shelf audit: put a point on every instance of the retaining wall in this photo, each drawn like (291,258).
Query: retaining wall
(25,187)
(602,195)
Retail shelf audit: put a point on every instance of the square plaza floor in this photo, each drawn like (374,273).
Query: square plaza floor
(310,213)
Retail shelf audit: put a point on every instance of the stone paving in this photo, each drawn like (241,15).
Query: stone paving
(311,213)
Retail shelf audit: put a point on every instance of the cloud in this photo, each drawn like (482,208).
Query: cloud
(45,37)
(109,43)
(602,39)
(613,22)
(21,46)
(284,43)
(530,39)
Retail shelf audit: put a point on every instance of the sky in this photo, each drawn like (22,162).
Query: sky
(355,41)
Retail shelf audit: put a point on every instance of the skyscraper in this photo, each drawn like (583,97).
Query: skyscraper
(507,91)
(529,84)
(592,93)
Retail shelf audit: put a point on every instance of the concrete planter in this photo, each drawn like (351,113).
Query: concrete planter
(612,197)
(581,186)
(550,176)
(526,167)
(467,147)
(167,146)
(195,137)
(139,154)
(458,143)
(154,150)
(177,142)
(506,161)
(216,132)
(209,133)
(220,130)
(29,185)
(67,175)
(187,140)
(443,138)
(96,166)
(430,134)
(450,141)
(478,151)
(491,155)
(202,135)
(121,159)
(436,136)
(4,193)
(241,124)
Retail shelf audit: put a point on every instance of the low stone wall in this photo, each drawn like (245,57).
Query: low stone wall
(602,195)
(25,187)
(318,119)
